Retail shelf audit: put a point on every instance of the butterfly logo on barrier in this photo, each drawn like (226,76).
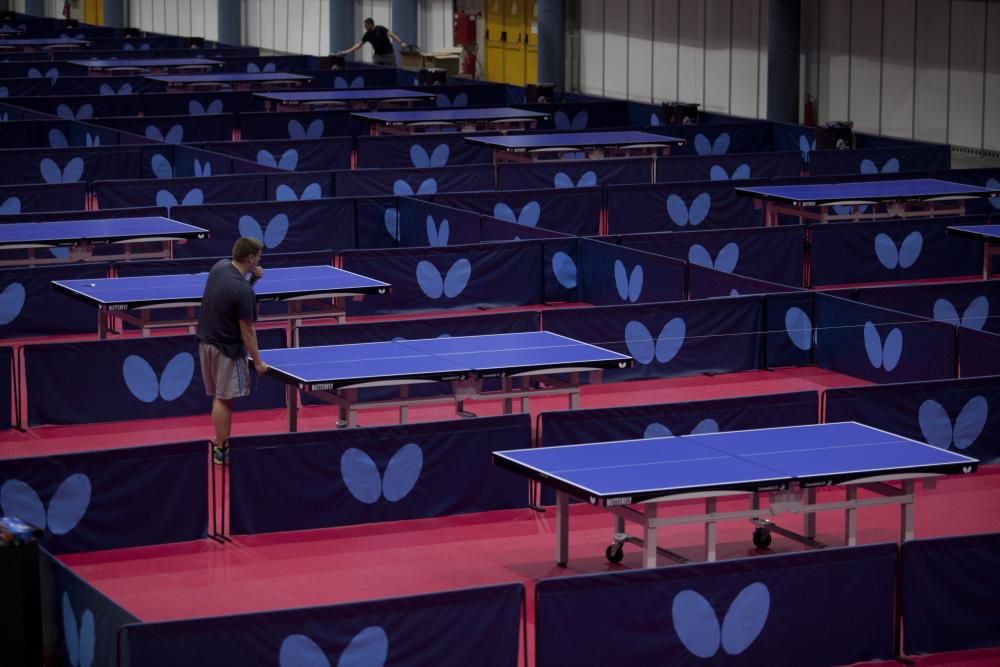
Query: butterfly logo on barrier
(161,166)
(254,68)
(368,648)
(938,429)
(891,166)
(202,170)
(437,158)
(974,317)
(366,484)
(71,173)
(437,236)
(528,216)
(167,200)
(799,327)
(92,141)
(454,282)
(725,261)
(288,160)
(132,47)
(806,147)
(703,146)
(10,206)
(67,506)
(124,89)
(195,108)
(81,639)
(85,112)
(658,430)
(719,173)
(174,135)
(286,193)
(314,131)
(357,82)
(644,349)
(52,74)
(272,237)
(11,302)
(993,184)
(402,189)
(4,92)
(442,100)
(564,269)
(629,287)
(883,355)
(563,180)
(57,139)
(694,215)
(698,627)
(141,380)
(903,257)
(577,122)
(654,120)
(391,220)
(4,116)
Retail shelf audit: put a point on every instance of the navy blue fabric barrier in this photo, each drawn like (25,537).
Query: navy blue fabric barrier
(774,254)
(946,585)
(403,182)
(979,353)
(447,278)
(463,93)
(748,612)
(391,631)
(38,198)
(190,161)
(68,165)
(377,222)
(961,415)
(294,125)
(79,623)
(420,150)
(30,307)
(576,174)
(592,113)
(291,154)
(7,380)
(429,327)
(177,129)
(87,215)
(83,104)
(174,192)
(705,283)
(292,186)
(576,212)
(160,267)
(670,339)
(110,499)
(727,167)
(984,178)
(891,250)
(924,158)
(144,378)
(613,275)
(197,104)
(881,345)
(973,304)
(788,326)
(719,139)
(368,475)
(423,223)
(649,421)
(677,206)
(283,226)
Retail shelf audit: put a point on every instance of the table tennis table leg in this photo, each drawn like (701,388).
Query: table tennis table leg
(906,512)
(102,323)
(809,518)
(851,518)
(710,530)
(649,537)
(508,401)
(292,401)
(404,409)
(562,528)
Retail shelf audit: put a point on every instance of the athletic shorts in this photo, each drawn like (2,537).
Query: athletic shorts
(224,377)
(385,59)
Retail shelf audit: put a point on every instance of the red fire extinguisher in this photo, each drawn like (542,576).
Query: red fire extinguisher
(468,64)
(66,10)
(809,111)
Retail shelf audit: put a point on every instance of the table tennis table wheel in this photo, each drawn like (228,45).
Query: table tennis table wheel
(614,553)
(762,538)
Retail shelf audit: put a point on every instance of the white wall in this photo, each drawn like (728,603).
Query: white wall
(292,26)
(187,18)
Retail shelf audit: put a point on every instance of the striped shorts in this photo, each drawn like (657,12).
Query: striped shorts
(223,376)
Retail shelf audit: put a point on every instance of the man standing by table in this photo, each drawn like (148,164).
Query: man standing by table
(378,36)
(227,336)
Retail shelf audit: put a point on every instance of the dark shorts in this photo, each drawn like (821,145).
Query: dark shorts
(224,377)
(386,59)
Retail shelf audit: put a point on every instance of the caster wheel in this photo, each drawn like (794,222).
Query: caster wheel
(761,538)
(614,553)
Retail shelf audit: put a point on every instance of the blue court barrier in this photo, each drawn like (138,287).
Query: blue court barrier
(705,283)
(789,334)
(746,252)
(8,406)
(111,498)
(560,262)
(575,174)
(295,186)
(634,209)
(78,97)
(576,212)
(180,191)
(376,222)
(68,165)
(294,125)
(719,139)
(892,250)
(382,631)
(610,274)
(50,216)
(198,104)
(420,150)
(790,137)
(581,114)
(748,611)
(984,178)
(30,307)
(146,378)
(979,353)
(946,584)
(728,167)
(291,154)
(423,223)
(160,267)
(879,345)
(898,159)
(567,427)
(176,129)
(961,415)
(403,182)
(369,475)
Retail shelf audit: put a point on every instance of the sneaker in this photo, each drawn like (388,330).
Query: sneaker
(220,455)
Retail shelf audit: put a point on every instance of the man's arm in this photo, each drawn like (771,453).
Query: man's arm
(249,335)
(350,50)
(394,36)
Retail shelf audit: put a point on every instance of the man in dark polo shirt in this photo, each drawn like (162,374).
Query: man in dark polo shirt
(227,335)
(378,36)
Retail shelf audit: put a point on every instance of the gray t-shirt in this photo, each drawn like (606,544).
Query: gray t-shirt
(228,299)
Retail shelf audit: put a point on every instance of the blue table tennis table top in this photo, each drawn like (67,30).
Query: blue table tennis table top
(450,115)
(186,289)
(108,230)
(620,138)
(345,95)
(982,232)
(228,77)
(631,471)
(436,359)
(868,192)
(144,62)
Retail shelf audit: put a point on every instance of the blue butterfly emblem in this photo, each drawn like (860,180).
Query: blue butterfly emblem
(698,627)
(11,302)
(85,112)
(437,236)
(974,317)
(564,122)
(131,47)
(806,147)
(66,509)
(564,269)
(454,282)
(174,135)
(4,92)
(937,427)
(288,161)
(297,131)
(200,169)
(725,261)
(681,215)
(588,179)
(10,206)
(167,200)
(993,184)
(124,89)
(654,120)
(57,139)
(798,326)
(718,173)
(438,157)
(528,216)
(644,349)
(254,68)
(369,648)
(629,287)
(402,189)
(272,237)
(366,484)
(883,355)
(658,430)
(357,82)
(92,141)
(391,220)
(71,173)
(703,146)
(161,166)
(52,74)
(903,257)
(4,117)
(81,639)
(891,166)
(141,380)
(195,108)
(286,193)
(443,100)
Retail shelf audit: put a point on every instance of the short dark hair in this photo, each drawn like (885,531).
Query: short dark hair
(370,20)
(245,247)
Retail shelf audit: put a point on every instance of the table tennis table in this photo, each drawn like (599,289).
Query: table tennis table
(363,98)
(785,465)
(918,197)
(335,373)
(309,291)
(80,237)
(236,80)
(137,65)
(558,145)
(989,235)
(41,43)
(465,119)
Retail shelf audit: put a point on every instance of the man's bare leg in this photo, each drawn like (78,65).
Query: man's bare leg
(222,420)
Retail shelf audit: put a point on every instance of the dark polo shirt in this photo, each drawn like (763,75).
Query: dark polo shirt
(228,299)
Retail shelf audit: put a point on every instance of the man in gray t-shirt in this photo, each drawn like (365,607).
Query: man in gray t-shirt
(227,335)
